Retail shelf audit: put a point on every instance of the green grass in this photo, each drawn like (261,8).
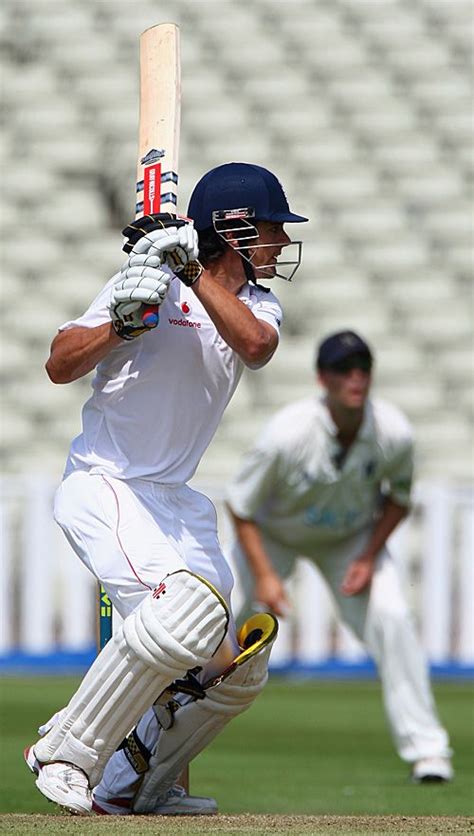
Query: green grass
(308,748)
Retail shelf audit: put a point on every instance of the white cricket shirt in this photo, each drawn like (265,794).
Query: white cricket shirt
(290,483)
(157,400)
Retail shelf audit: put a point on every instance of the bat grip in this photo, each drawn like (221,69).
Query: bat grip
(150,316)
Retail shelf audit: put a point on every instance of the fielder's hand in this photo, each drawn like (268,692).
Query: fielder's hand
(142,283)
(174,240)
(271,594)
(358,575)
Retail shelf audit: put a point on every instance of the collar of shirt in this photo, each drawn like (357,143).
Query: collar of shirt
(366,430)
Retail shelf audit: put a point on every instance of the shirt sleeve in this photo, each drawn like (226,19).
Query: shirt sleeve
(254,483)
(98,311)
(399,473)
(268,308)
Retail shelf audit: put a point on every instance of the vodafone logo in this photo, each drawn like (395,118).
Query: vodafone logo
(186,323)
(186,311)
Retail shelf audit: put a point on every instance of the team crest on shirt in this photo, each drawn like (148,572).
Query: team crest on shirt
(369,469)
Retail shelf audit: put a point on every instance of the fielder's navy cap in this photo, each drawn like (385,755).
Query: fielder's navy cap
(339,346)
(237,185)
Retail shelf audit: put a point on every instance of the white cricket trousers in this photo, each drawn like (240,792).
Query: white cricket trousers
(381,619)
(130,534)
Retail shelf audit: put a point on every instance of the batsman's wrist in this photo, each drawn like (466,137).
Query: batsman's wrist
(113,336)
(189,273)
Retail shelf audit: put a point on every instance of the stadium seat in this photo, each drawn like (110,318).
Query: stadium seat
(372,320)
(394,256)
(444,93)
(406,153)
(378,221)
(451,223)
(326,150)
(77,154)
(440,324)
(376,123)
(455,363)
(411,292)
(16,430)
(343,186)
(430,186)
(417,396)
(50,17)
(415,63)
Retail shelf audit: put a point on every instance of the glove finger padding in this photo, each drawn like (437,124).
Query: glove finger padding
(157,242)
(174,240)
(175,247)
(144,295)
(146,224)
(149,285)
(138,288)
(144,260)
(151,277)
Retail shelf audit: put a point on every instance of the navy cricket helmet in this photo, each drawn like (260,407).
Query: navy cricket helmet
(235,186)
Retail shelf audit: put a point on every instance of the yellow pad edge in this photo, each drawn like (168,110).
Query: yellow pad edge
(264,622)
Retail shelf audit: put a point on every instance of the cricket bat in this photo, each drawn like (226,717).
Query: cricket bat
(158,142)
(157,182)
(159,125)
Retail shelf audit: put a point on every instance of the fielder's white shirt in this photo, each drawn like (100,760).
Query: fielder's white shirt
(158,400)
(290,483)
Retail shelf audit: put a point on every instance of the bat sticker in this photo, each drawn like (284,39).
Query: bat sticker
(152,156)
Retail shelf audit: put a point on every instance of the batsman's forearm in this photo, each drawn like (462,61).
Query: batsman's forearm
(253,341)
(77,351)
(392,515)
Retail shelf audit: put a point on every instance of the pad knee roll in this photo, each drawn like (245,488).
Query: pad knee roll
(178,626)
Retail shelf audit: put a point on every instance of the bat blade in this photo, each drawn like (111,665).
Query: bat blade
(160,115)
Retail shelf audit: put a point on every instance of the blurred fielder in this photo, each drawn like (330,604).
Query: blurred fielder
(329,479)
(124,505)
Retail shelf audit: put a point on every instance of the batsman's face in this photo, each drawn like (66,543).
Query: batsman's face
(347,389)
(269,244)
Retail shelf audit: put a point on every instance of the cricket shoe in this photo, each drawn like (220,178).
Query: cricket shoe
(432,771)
(176,803)
(63,783)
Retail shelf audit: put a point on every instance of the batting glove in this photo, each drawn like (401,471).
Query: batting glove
(142,284)
(174,240)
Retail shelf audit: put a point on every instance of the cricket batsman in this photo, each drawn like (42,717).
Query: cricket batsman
(124,505)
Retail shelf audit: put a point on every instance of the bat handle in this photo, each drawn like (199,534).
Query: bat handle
(150,316)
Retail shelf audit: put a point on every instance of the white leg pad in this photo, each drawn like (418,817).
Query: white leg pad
(178,626)
(197,724)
